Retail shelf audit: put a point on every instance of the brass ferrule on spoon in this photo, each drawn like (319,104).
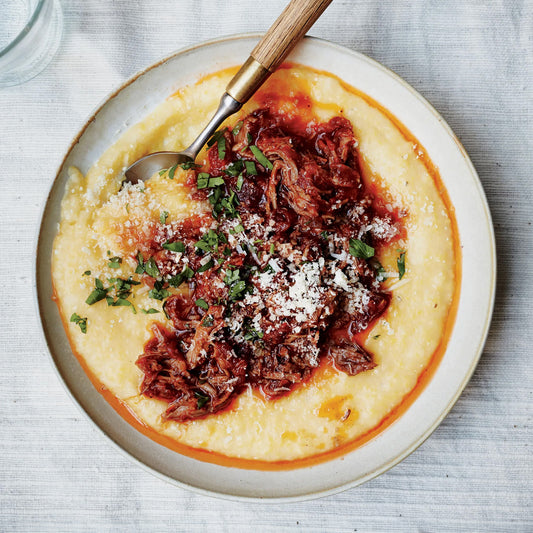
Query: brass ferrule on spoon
(272,49)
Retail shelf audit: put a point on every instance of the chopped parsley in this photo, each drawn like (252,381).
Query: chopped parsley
(186,274)
(240,182)
(140,264)
(163,217)
(172,171)
(158,292)
(239,228)
(99,293)
(237,127)
(253,334)
(216,136)
(114,262)
(176,246)
(251,169)
(150,311)
(205,181)
(360,249)
(202,304)
(87,273)
(233,169)
(208,321)
(229,205)
(232,276)
(120,302)
(81,322)
(202,399)
(261,157)
(381,273)
(122,291)
(150,267)
(401,264)
(237,290)
(188,165)
(210,240)
(207,266)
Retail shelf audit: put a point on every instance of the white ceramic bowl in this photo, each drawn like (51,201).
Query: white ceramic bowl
(143,92)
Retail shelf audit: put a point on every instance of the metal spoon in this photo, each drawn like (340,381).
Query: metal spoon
(268,54)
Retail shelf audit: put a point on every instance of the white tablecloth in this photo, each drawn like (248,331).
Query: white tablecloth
(474,61)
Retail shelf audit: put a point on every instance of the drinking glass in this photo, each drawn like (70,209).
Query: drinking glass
(30,32)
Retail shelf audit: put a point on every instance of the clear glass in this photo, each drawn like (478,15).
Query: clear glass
(30,33)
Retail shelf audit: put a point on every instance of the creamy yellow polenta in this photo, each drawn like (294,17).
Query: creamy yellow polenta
(98,223)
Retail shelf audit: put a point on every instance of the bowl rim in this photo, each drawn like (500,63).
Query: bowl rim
(304,496)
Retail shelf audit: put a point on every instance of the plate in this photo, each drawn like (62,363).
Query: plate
(132,101)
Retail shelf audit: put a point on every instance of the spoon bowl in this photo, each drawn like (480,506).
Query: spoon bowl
(272,49)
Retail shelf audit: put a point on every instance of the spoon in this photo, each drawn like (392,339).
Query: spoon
(272,49)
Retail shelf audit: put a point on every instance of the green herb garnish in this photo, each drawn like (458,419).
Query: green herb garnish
(209,241)
(140,264)
(239,228)
(178,279)
(87,273)
(208,321)
(202,399)
(221,147)
(230,205)
(204,181)
(253,334)
(251,169)
(163,217)
(237,127)
(150,267)
(114,262)
(150,311)
(232,276)
(188,164)
(216,136)
(120,302)
(176,246)
(261,158)
(360,249)
(99,293)
(81,322)
(234,168)
(401,264)
(207,266)
(202,304)
(172,171)
(158,292)
(237,290)
(240,182)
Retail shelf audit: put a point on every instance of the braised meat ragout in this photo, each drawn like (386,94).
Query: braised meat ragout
(281,274)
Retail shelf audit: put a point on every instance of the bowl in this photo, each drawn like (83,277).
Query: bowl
(132,101)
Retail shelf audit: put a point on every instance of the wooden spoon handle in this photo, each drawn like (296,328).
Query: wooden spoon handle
(274,47)
(287,30)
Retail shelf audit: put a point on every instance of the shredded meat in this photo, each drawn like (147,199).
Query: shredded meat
(272,286)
